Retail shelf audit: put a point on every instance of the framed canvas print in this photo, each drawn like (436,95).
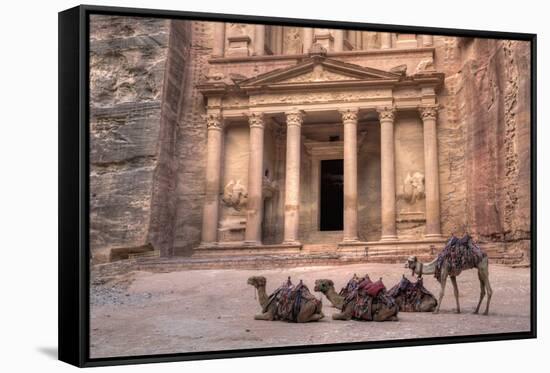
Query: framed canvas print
(235,186)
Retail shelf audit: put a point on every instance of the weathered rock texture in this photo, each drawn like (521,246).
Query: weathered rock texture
(148,138)
(484,138)
(137,76)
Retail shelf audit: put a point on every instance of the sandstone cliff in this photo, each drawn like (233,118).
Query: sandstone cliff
(137,74)
(492,96)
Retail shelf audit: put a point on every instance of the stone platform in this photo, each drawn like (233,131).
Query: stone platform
(236,255)
(376,251)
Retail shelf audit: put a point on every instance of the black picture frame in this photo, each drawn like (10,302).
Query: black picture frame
(74,250)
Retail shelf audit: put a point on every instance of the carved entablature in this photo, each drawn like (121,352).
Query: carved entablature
(318,80)
(320,97)
(235,101)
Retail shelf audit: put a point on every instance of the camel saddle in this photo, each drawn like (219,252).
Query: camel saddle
(458,255)
(372,288)
(365,294)
(411,292)
(289,300)
(351,285)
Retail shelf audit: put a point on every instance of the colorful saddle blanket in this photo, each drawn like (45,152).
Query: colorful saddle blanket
(366,295)
(289,300)
(410,294)
(351,285)
(458,255)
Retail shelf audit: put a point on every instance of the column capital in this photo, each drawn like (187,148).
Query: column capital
(386,113)
(256,120)
(428,112)
(294,118)
(349,114)
(214,121)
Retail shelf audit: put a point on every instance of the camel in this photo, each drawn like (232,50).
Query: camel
(442,268)
(382,307)
(326,287)
(309,308)
(412,297)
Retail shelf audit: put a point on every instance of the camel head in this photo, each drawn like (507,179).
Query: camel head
(411,262)
(257,281)
(323,285)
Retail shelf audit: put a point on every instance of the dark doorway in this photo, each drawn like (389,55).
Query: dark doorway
(332,195)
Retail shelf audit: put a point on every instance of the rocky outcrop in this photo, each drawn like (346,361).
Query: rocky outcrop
(493,88)
(136,75)
(191,145)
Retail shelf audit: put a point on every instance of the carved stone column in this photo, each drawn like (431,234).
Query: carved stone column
(338,40)
(406,41)
(214,125)
(427,40)
(431,169)
(308,39)
(385,40)
(219,39)
(349,118)
(292,183)
(259,40)
(254,206)
(387,160)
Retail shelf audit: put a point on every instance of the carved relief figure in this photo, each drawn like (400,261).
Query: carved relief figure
(425,65)
(237,29)
(235,195)
(413,187)
(293,41)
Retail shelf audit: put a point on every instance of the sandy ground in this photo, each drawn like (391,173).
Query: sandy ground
(197,310)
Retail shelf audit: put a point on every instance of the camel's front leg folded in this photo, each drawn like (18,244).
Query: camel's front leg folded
(267,316)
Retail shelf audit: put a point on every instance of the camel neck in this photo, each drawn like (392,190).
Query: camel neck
(426,268)
(336,299)
(262,295)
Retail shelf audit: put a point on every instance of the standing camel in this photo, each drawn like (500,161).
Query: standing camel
(459,254)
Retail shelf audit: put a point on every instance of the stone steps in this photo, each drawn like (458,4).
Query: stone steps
(235,262)
(320,248)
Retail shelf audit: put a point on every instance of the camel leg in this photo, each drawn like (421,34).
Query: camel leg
(385,317)
(485,273)
(267,316)
(442,290)
(482,290)
(310,312)
(428,304)
(314,317)
(345,314)
(455,289)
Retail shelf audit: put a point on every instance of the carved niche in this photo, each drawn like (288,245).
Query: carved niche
(292,41)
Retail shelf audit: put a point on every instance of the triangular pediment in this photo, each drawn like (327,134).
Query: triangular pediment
(319,70)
